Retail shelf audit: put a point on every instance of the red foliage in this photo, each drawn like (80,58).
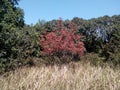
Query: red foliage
(64,40)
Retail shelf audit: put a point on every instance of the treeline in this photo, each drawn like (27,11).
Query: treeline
(101,35)
(20,43)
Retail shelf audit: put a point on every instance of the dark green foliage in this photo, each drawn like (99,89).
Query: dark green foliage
(39,26)
(29,42)
(17,44)
(110,49)
(18,48)
(8,43)
(11,20)
(11,17)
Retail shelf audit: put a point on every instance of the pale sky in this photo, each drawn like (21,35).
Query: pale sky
(67,9)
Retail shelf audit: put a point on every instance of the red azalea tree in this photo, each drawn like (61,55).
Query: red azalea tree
(64,41)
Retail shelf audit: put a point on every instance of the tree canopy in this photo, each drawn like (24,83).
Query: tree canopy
(11,16)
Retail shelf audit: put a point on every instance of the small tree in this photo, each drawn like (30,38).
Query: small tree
(62,42)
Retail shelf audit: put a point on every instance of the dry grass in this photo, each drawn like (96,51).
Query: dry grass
(75,76)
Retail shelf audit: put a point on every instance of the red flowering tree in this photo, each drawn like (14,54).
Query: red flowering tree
(64,41)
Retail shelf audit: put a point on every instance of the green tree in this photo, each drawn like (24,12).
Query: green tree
(39,26)
(11,21)
(11,16)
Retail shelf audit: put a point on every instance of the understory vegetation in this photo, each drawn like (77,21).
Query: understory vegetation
(75,54)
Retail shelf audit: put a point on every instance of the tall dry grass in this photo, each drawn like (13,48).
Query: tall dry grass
(74,76)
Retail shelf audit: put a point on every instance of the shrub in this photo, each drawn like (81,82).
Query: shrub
(17,47)
(112,49)
(62,42)
(28,43)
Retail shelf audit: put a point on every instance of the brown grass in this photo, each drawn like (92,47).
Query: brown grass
(74,76)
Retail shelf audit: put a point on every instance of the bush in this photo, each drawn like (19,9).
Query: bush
(28,43)
(17,46)
(93,59)
(62,42)
(112,49)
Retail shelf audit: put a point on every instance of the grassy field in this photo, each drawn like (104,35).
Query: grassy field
(73,76)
